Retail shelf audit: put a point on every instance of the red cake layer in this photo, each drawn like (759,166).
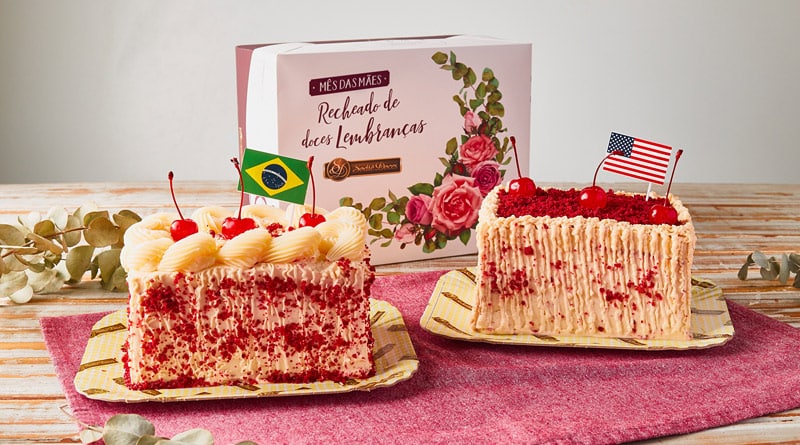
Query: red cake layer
(555,203)
(197,329)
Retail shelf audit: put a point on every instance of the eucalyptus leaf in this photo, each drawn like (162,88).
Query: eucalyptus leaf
(459,70)
(22,296)
(46,281)
(91,216)
(439,58)
(124,221)
(107,262)
(421,189)
(496,109)
(771,272)
(43,243)
(90,435)
(148,439)
(195,436)
(470,78)
(794,262)
(796,281)
(783,275)
(377,203)
(119,280)
(133,425)
(11,282)
(72,234)
(101,232)
(487,75)
(760,259)
(13,264)
(464,236)
(119,437)
(451,146)
(59,216)
(79,260)
(480,90)
(85,209)
(743,271)
(129,214)
(11,236)
(475,103)
(44,228)
(25,250)
(376,221)
(494,98)
(29,220)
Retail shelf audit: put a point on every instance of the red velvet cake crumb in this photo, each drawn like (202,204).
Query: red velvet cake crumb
(556,203)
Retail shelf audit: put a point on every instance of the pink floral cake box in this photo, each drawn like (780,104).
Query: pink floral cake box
(412,132)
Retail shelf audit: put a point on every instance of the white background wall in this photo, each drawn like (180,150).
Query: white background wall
(127,90)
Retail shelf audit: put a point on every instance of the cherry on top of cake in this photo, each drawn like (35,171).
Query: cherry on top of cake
(555,203)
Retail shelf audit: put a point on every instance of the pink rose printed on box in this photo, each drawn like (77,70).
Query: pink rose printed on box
(446,209)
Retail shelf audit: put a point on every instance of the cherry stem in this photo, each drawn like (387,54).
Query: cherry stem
(675,164)
(241,185)
(597,170)
(172,192)
(313,187)
(516,158)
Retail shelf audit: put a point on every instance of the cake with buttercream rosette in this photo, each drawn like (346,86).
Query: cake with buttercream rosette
(548,266)
(278,303)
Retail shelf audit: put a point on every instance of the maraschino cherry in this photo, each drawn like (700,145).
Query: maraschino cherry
(522,186)
(594,197)
(233,226)
(311,219)
(180,228)
(665,213)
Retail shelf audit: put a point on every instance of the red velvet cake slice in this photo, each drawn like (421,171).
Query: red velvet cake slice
(548,266)
(268,305)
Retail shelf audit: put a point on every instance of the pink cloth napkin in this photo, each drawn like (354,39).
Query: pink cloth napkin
(482,393)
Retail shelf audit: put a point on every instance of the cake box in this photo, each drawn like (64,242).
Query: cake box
(413,132)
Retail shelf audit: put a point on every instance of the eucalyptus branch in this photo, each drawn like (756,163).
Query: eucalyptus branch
(42,255)
(773,268)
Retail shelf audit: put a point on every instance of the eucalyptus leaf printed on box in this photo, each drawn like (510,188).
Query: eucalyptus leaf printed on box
(446,209)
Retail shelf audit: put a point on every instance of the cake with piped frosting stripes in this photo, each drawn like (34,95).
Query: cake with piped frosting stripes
(548,267)
(273,304)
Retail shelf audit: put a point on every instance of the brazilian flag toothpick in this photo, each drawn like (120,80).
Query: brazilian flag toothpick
(274,176)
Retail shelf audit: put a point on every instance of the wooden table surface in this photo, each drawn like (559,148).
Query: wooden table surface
(731,221)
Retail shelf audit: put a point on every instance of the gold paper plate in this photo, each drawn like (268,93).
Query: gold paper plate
(450,309)
(100,375)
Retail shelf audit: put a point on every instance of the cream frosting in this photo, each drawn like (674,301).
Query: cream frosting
(149,246)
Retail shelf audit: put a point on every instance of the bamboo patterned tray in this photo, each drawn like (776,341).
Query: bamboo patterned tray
(449,312)
(100,375)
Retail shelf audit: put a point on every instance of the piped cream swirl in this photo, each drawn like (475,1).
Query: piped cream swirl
(245,250)
(149,246)
(191,254)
